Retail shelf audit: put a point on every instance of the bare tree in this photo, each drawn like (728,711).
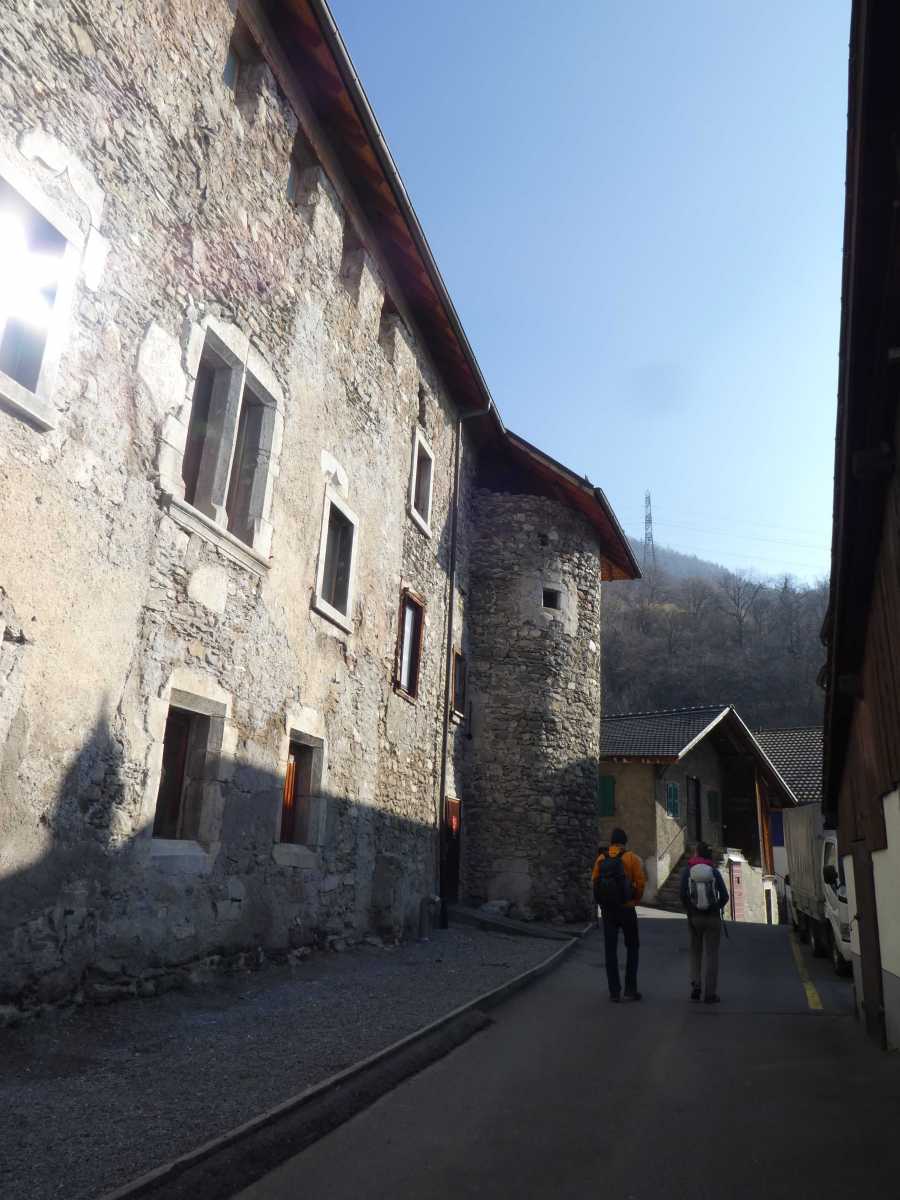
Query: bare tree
(737,595)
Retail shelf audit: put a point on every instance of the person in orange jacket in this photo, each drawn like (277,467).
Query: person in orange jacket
(619,881)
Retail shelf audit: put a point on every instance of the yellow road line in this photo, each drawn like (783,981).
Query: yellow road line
(812,996)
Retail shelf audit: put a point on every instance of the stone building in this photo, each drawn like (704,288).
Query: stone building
(295,632)
(679,776)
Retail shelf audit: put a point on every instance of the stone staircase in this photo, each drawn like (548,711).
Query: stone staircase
(669,895)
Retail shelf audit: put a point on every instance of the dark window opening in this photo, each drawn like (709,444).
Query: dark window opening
(552,598)
(338,557)
(422,484)
(421,405)
(409,650)
(31,251)
(181,781)
(459,683)
(298,789)
(244,467)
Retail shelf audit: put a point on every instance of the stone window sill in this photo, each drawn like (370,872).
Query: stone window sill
(420,521)
(194,521)
(22,403)
(330,613)
(180,855)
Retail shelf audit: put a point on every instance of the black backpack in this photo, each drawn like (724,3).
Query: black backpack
(612,887)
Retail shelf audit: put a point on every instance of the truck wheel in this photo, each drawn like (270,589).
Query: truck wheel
(841,967)
(817,940)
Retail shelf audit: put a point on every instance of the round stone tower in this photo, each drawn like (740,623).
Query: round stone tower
(530,815)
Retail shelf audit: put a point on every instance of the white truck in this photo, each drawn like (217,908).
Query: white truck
(815,889)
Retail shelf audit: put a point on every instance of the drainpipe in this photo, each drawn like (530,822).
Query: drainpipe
(448,662)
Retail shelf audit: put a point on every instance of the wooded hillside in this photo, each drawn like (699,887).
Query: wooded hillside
(715,637)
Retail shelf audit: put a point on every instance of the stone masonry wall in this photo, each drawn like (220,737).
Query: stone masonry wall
(530,826)
(117,113)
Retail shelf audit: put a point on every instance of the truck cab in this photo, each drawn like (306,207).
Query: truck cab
(836,910)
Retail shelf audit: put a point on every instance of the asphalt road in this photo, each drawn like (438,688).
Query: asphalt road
(566,1095)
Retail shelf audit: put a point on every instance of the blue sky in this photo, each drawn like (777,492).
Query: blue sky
(637,208)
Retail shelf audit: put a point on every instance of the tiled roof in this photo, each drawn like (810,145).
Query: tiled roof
(662,734)
(797,756)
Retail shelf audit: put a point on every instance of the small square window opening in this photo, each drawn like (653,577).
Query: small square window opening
(552,598)
(409,649)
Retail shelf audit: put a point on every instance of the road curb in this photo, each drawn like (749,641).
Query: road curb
(284,1130)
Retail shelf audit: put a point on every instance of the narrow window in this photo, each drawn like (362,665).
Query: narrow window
(333,596)
(298,790)
(422,405)
(459,683)
(607,796)
(409,650)
(421,483)
(552,598)
(180,794)
(673,802)
(338,554)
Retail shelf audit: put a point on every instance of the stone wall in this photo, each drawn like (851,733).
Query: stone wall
(530,825)
(178,195)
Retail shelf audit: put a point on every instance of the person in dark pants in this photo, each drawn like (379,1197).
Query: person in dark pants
(619,882)
(704,896)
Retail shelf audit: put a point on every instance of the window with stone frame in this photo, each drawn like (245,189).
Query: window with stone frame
(421,483)
(229,443)
(410,635)
(337,561)
(182,779)
(302,784)
(38,267)
(459,683)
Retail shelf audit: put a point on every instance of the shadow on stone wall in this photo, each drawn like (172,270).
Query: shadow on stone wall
(536,848)
(97,914)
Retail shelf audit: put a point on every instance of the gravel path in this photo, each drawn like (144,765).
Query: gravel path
(93,1097)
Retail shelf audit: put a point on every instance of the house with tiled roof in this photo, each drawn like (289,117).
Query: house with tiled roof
(675,777)
(797,754)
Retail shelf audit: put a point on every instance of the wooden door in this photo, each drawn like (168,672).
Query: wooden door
(452,832)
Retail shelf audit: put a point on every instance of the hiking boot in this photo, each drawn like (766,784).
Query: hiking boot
(632,996)
(711,1000)
(695,994)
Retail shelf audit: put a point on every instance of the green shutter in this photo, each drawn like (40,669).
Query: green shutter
(673,807)
(607,807)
